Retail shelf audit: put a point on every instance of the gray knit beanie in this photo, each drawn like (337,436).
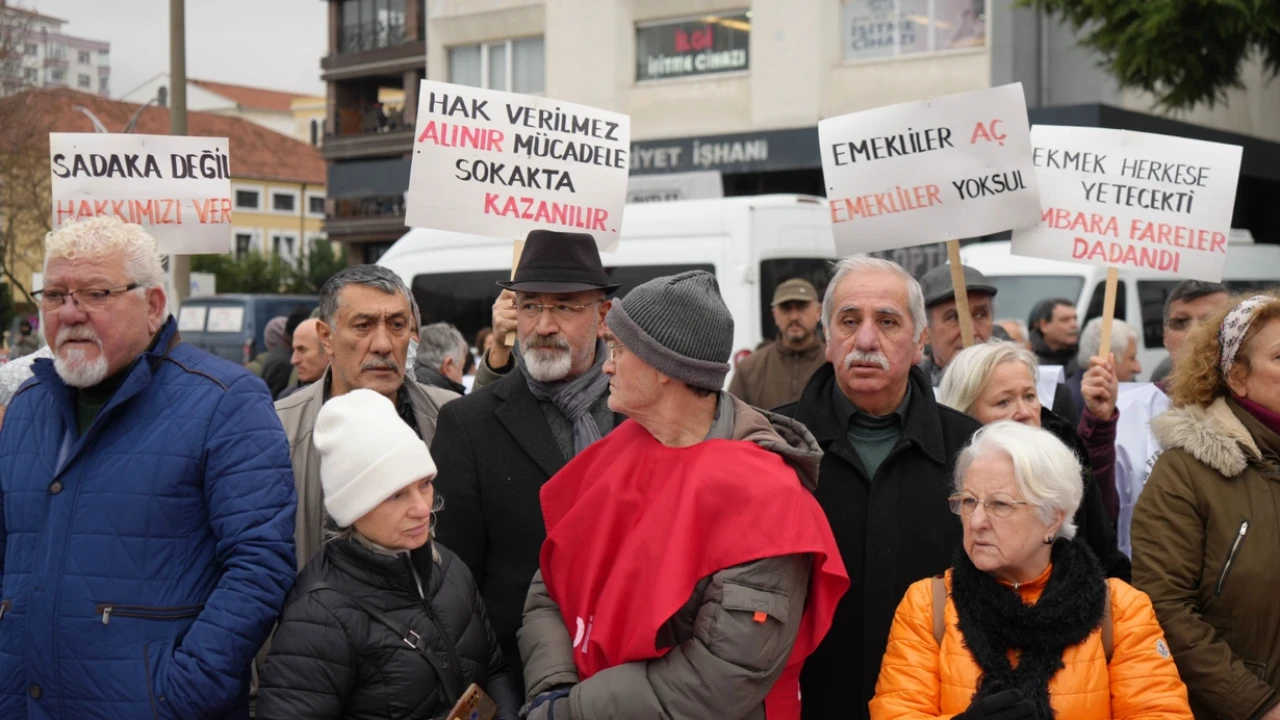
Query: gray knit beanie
(679,325)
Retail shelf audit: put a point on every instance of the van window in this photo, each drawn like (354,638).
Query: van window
(777,271)
(1151,296)
(191,318)
(1016,295)
(225,318)
(1100,296)
(466,299)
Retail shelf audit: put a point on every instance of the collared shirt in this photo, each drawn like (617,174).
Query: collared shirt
(871,437)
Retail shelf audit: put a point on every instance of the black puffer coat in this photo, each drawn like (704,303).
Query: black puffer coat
(1093,524)
(329,659)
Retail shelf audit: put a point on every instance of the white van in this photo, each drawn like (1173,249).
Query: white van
(751,243)
(1140,295)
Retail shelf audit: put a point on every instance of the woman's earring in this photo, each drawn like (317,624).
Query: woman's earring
(1048,539)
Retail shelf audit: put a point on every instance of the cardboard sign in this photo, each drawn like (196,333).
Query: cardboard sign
(923,172)
(178,188)
(501,164)
(1126,199)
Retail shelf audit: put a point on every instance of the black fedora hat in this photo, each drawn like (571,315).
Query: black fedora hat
(559,263)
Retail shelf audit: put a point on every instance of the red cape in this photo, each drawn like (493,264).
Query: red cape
(632,526)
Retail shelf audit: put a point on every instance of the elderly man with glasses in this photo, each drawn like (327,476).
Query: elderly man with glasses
(146,498)
(496,447)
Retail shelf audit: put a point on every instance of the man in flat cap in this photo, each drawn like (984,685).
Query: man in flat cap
(776,374)
(944,337)
(496,447)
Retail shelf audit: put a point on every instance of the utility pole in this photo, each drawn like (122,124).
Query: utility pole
(179,265)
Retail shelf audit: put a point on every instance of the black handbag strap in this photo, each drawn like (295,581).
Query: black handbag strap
(449,673)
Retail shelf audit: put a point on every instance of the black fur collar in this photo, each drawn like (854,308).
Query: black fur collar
(994,620)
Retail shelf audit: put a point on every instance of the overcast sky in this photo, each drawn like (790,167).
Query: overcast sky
(275,44)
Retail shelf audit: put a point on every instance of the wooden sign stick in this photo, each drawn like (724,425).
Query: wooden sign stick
(516,249)
(1108,311)
(962,292)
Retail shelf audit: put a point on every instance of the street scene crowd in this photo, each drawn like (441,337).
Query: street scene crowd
(871,521)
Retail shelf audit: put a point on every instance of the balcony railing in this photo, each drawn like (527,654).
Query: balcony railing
(387,206)
(369,120)
(371,36)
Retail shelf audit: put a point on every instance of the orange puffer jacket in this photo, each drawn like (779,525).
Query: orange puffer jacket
(919,679)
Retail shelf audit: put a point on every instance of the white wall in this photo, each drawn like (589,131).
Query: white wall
(797,76)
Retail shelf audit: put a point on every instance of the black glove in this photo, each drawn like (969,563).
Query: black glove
(1003,705)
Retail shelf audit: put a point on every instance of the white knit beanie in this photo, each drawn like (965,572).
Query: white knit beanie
(367,454)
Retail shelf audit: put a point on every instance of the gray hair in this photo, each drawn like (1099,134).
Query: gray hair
(376,276)
(970,370)
(1091,340)
(1047,473)
(865,263)
(100,237)
(438,341)
(1189,290)
(1022,327)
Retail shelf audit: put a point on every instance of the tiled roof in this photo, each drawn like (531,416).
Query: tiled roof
(250,97)
(256,152)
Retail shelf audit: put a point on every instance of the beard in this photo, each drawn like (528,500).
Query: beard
(546,358)
(74,369)
(871,358)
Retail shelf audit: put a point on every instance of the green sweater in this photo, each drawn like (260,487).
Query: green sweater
(872,437)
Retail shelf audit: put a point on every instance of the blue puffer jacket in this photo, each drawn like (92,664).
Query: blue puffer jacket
(145,562)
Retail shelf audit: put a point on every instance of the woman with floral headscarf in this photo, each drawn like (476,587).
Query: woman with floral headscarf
(1206,530)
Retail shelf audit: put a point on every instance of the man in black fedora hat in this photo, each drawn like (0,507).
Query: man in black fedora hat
(496,447)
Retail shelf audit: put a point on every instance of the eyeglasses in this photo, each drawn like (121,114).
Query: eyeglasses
(998,505)
(614,346)
(92,298)
(560,310)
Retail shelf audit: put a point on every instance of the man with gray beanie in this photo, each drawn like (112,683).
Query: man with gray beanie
(740,579)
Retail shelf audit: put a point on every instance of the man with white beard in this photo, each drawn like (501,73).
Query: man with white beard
(496,447)
(147,503)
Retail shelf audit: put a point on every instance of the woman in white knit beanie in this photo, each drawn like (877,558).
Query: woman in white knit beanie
(367,632)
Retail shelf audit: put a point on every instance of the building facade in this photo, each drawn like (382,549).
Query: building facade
(277,182)
(377,57)
(737,87)
(39,54)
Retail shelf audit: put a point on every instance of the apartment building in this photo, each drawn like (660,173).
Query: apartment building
(376,60)
(39,54)
(735,88)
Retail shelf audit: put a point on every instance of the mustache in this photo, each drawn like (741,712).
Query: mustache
(67,333)
(548,342)
(380,363)
(866,358)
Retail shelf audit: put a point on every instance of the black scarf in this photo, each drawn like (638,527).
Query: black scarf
(994,620)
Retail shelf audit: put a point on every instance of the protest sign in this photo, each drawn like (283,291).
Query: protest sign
(178,188)
(1118,198)
(501,164)
(923,172)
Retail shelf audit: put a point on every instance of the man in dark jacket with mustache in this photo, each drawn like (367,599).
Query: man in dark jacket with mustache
(889,454)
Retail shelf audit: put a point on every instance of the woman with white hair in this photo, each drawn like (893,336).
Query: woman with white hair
(370,629)
(1024,626)
(997,381)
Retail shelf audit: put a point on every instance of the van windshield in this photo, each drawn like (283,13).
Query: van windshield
(1017,294)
